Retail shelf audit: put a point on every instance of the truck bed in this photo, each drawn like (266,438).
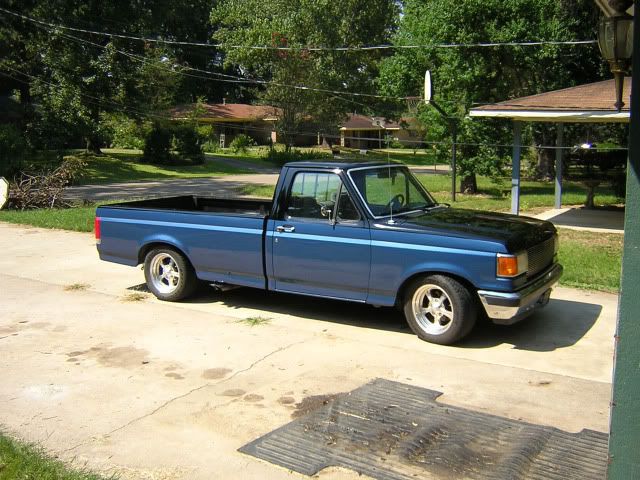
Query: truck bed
(192,203)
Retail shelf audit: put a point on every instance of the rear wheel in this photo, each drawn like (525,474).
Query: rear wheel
(169,274)
(439,309)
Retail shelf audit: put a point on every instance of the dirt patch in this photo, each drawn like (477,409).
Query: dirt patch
(286,400)
(252,397)
(118,357)
(312,403)
(234,392)
(76,287)
(216,373)
(175,376)
(134,297)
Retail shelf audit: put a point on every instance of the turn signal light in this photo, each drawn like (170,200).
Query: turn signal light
(507,266)
(512,265)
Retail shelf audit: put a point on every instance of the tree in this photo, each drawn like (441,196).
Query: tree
(77,77)
(471,75)
(298,24)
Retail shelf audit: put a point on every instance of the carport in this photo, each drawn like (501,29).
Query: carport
(590,103)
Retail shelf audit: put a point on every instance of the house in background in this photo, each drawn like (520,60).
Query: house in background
(232,119)
(258,122)
(364,132)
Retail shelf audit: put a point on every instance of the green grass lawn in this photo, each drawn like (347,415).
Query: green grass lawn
(28,462)
(494,196)
(124,166)
(591,260)
(78,219)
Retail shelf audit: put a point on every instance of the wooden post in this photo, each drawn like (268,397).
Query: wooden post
(624,454)
(559,156)
(515,168)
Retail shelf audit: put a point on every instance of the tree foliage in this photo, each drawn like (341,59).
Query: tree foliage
(465,77)
(298,24)
(76,77)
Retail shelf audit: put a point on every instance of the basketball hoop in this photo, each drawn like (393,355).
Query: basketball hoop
(412,104)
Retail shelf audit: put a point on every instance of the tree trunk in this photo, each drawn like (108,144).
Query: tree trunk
(93,146)
(469,184)
(545,164)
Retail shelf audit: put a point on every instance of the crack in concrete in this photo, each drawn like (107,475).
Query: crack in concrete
(179,397)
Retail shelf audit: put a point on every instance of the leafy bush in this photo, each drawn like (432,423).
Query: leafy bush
(395,143)
(124,132)
(45,189)
(280,157)
(13,149)
(157,145)
(188,143)
(241,143)
(211,146)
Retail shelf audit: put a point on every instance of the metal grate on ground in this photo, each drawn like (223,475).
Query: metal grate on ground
(390,430)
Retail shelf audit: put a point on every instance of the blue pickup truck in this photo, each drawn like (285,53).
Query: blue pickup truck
(361,232)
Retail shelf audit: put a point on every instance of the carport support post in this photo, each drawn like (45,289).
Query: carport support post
(624,454)
(559,155)
(515,168)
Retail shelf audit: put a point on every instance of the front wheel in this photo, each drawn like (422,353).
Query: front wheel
(439,309)
(169,274)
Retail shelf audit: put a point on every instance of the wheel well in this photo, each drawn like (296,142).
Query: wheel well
(403,287)
(150,246)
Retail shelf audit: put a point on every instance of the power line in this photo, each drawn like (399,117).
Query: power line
(310,48)
(231,78)
(125,109)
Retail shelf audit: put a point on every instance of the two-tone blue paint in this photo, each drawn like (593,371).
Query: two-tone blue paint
(365,261)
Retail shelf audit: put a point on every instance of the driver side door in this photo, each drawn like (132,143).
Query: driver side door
(321,245)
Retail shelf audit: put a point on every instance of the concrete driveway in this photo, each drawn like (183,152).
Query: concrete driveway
(103,375)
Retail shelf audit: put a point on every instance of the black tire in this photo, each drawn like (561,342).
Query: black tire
(439,309)
(169,274)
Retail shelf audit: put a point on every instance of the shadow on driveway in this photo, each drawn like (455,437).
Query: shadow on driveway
(561,324)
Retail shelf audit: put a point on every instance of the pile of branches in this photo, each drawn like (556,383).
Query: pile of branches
(44,189)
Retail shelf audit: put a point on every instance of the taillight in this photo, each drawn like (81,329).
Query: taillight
(96,229)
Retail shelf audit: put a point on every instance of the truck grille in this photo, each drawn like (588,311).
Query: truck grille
(540,257)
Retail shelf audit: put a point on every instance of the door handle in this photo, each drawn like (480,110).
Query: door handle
(285,229)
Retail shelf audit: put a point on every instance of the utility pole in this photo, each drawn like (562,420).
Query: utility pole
(453,127)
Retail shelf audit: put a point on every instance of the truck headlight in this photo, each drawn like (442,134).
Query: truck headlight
(512,265)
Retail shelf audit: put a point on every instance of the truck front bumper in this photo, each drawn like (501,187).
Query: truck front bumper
(507,308)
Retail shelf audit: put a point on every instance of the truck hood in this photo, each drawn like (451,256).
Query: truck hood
(515,232)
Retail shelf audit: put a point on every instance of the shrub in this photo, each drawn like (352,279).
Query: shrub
(241,143)
(188,143)
(280,157)
(211,146)
(157,145)
(124,132)
(45,189)
(13,149)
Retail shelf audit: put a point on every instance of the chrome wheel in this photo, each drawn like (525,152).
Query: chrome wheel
(165,273)
(432,309)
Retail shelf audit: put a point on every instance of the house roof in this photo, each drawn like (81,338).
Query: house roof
(228,112)
(593,102)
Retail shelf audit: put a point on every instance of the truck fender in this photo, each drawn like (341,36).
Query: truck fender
(149,241)
(457,271)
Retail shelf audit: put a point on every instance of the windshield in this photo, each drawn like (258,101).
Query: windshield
(390,190)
